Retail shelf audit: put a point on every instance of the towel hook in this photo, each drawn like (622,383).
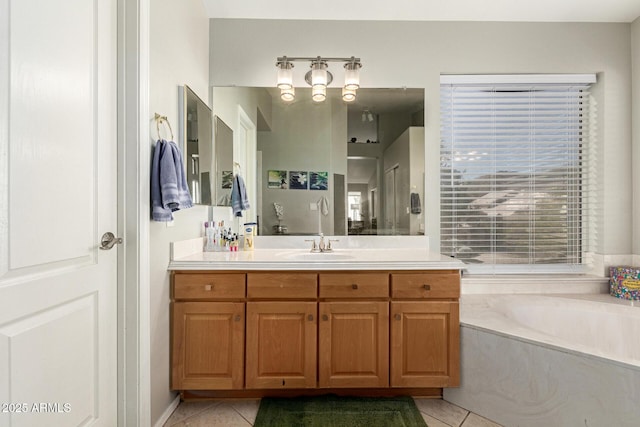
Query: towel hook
(162,119)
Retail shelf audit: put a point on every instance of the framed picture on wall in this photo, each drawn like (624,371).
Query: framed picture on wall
(298,180)
(227,179)
(318,180)
(277,179)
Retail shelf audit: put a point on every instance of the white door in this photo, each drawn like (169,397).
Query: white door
(58,363)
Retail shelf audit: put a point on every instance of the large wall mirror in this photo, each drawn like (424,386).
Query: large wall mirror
(334,167)
(196,131)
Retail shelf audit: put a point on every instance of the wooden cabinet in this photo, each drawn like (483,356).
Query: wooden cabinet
(281,334)
(425,349)
(425,329)
(281,344)
(208,346)
(265,330)
(208,334)
(353,344)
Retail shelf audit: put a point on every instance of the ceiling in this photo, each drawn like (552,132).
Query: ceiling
(430,10)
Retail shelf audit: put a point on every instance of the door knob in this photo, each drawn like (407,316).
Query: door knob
(109,240)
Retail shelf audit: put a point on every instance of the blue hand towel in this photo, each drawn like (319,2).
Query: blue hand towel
(239,199)
(169,190)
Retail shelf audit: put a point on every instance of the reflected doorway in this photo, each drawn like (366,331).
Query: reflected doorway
(362,185)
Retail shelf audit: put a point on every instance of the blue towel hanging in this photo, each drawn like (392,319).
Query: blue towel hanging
(169,190)
(239,198)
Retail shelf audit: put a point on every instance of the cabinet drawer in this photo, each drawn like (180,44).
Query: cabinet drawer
(282,285)
(437,284)
(208,286)
(354,285)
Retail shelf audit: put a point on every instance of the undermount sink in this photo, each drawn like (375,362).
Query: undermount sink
(317,256)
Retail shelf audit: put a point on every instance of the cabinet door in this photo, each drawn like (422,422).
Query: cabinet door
(207,345)
(353,344)
(425,344)
(281,344)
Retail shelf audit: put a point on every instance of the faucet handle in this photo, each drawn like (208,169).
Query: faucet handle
(329,244)
(314,248)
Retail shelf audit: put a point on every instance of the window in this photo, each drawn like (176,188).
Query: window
(513,172)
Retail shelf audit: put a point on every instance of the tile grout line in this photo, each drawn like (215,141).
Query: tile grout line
(465,418)
(242,416)
(213,404)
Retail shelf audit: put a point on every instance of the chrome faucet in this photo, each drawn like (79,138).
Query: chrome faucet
(321,246)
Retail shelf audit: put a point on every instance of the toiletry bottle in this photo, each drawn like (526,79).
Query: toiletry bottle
(207,237)
(218,239)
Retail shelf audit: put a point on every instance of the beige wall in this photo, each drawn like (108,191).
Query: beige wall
(635,81)
(414,54)
(179,54)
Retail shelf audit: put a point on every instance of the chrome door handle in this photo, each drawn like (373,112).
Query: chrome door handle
(109,240)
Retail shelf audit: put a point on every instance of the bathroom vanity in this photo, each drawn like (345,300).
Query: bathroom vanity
(373,320)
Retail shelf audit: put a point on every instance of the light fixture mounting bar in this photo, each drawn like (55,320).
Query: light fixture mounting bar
(282,59)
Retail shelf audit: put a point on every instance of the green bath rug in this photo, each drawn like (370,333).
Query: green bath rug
(336,411)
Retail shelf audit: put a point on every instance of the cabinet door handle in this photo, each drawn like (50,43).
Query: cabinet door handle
(354,286)
(325,317)
(310,318)
(237,318)
(208,287)
(427,287)
(398,317)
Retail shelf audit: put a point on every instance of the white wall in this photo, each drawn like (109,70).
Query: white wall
(431,48)
(635,81)
(179,54)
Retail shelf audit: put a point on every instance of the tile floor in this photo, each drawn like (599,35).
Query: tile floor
(242,413)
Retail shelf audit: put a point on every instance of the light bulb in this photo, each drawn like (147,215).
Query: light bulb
(348,95)
(288,95)
(319,93)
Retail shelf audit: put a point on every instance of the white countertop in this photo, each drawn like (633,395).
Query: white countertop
(302,259)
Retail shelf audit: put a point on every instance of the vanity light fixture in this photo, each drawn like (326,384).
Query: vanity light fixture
(318,77)
(366,115)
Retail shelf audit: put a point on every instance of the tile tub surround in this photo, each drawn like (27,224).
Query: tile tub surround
(522,375)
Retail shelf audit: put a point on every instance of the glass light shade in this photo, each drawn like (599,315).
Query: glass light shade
(288,95)
(319,75)
(351,76)
(348,95)
(319,93)
(285,76)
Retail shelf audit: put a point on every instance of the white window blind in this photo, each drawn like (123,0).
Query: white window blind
(514,175)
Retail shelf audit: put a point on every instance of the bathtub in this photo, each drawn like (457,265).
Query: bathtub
(550,360)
